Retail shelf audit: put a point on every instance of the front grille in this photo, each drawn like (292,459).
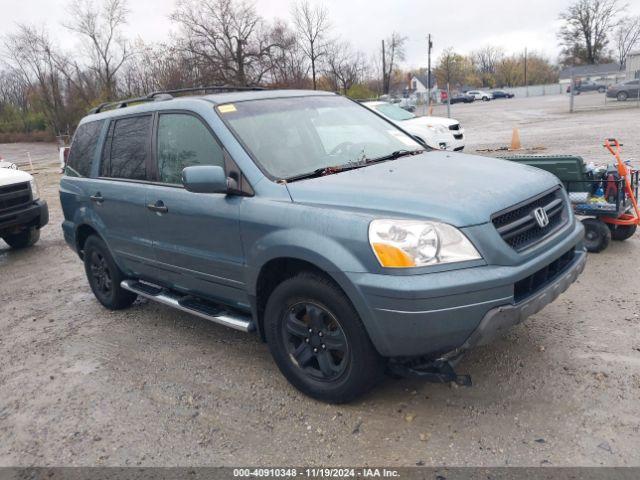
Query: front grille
(14,196)
(518,227)
(454,127)
(534,283)
(457,136)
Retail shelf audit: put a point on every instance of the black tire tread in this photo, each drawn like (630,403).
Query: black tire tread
(24,239)
(620,233)
(603,232)
(369,365)
(119,298)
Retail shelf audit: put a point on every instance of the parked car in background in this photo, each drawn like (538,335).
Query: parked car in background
(625,90)
(409,104)
(308,218)
(501,94)
(480,95)
(436,132)
(462,98)
(22,212)
(588,86)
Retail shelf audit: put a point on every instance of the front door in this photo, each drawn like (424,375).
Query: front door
(196,237)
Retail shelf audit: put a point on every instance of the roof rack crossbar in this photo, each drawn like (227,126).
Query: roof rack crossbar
(219,88)
(153,96)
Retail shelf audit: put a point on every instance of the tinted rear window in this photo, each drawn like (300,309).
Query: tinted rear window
(127,149)
(83,149)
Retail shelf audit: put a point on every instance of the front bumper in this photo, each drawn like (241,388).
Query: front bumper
(34,215)
(436,313)
(498,320)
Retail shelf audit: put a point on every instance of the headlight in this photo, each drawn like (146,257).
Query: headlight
(414,243)
(34,189)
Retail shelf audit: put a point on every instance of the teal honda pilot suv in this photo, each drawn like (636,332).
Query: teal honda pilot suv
(349,247)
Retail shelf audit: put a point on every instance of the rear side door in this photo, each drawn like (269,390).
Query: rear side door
(196,236)
(119,194)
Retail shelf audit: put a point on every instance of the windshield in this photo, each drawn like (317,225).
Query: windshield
(394,112)
(292,136)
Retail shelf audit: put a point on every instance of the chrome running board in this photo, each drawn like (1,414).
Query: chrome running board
(189,304)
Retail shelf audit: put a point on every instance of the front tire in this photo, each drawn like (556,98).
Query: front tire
(104,275)
(318,340)
(597,235)
(622,96)
(24,239)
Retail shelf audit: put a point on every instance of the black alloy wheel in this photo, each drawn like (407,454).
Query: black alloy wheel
(316,341)
(100,272)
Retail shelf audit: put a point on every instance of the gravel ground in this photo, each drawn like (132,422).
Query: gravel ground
(151,386)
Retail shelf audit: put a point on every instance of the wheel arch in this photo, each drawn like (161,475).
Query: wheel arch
(278,269)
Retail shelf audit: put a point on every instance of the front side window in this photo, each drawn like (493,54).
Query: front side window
(83,149)
(184,141)
(127,149)
(289,137)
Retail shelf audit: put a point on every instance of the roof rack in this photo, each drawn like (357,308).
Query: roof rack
(162,95)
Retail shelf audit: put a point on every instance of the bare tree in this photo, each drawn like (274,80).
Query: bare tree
(227,37)
(312,27)
(289,66)
(107,48)
(393,53)
(627,37)
(584,35)
(452,68)
(344,67)
(15,92)
(31,54)
(487,58)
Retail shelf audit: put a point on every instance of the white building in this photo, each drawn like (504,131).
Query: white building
(633,65)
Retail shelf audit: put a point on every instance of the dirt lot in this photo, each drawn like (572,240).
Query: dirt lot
(151,386)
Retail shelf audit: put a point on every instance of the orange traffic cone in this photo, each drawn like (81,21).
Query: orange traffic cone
(515,140)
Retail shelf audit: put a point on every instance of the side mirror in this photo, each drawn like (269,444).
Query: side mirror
(205,179)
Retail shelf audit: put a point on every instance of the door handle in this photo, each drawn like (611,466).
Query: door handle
(97,198)
(158,207)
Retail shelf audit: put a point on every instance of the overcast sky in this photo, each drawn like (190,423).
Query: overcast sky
(464,25)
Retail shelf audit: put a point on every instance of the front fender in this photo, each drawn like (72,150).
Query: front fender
(323,252)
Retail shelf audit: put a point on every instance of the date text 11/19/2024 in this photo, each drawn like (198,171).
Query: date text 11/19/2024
(315,472)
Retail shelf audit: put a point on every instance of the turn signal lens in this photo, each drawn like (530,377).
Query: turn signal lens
(392,257)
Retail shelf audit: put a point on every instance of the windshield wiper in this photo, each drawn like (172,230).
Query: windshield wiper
(321,172)
(395,155)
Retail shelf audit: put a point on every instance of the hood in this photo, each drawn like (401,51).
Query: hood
(427,120)
(458,189)
(9,176)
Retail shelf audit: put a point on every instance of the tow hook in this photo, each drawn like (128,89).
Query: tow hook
(436,371)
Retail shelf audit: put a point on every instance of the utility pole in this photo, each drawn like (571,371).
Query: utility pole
(384,71)
(430,46)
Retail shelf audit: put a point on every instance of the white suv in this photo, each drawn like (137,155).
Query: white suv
(481,95)
(22,213)
(437,132)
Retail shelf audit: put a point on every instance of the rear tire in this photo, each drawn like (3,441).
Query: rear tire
(104,275)
(597,235)
(620,233)
(318,340)
(24,239)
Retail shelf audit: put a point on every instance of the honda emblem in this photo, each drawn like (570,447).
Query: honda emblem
(540,214)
